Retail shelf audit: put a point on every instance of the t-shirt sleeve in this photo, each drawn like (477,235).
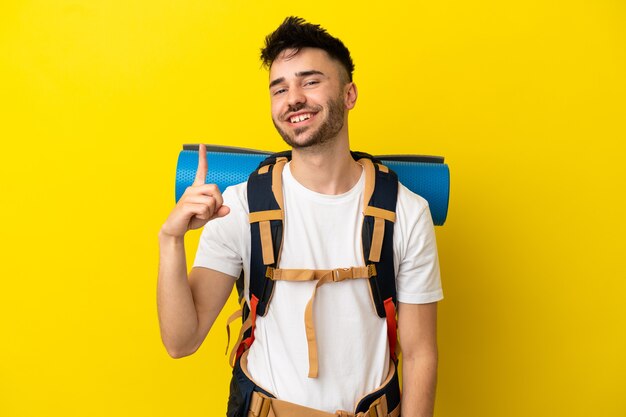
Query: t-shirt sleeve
(418,279)
(220,245)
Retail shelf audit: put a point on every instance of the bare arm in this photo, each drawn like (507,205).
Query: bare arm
(188,306)
(417,327)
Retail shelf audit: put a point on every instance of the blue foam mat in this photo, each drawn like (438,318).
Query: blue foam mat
(427,179)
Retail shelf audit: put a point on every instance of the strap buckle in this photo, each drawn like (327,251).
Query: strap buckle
(379,407)
(341,274)
(259,405)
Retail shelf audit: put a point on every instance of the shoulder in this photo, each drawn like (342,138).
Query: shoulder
(414,223)
(410,207)
(236,197)
(415,250)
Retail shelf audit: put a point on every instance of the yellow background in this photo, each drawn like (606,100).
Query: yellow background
(525,99)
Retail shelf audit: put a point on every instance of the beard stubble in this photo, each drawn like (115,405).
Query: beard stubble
(327,131)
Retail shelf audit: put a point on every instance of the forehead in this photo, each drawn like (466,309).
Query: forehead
(289,63)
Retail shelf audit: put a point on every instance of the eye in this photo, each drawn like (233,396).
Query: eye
(279,91)
(311,82)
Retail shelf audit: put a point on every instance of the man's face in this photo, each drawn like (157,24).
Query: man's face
(307,95)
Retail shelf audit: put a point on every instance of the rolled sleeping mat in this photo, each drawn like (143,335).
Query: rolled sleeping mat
(427,176)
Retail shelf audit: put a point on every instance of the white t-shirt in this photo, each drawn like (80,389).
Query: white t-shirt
(324,232)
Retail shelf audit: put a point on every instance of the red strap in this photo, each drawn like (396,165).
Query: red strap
(247,342)
(392,335)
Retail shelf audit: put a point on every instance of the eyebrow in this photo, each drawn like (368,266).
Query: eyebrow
(300,74)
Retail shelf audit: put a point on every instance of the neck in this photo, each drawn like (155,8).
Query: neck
(329,169)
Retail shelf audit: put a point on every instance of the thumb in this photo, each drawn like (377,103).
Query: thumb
(221,212)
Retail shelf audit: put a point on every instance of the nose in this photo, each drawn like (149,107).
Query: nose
(295,97)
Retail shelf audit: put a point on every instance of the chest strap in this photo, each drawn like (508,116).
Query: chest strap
(322,276)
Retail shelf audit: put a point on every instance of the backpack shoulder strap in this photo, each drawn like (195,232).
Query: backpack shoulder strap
(379,215)
(265,202)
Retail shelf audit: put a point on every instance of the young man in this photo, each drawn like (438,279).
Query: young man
(312,92)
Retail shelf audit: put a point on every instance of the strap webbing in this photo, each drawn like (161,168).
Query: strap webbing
(245,344)
(322,277)
(337,275)
(229,321)
(244,327)
(235,353)
(377,239)
(370,181)
(309,324)
(382,213)
(267,248)
(277,180)
(260,216)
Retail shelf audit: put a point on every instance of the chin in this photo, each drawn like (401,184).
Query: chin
(299,144)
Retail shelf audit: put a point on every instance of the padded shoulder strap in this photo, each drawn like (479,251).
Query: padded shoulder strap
(265,202)
(379,215)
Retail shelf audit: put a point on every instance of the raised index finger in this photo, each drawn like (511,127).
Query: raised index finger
(202,166)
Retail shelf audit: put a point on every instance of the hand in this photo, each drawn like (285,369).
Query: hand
(199,203)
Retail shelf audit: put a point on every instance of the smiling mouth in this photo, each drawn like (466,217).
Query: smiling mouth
(299,118)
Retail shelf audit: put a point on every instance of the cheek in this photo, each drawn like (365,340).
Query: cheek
(275,109)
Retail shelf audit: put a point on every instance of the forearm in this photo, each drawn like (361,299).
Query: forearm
(419,380)
(178,317)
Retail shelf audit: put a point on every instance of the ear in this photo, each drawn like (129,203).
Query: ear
(350,95)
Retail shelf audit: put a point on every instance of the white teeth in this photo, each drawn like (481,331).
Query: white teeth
(300,118)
